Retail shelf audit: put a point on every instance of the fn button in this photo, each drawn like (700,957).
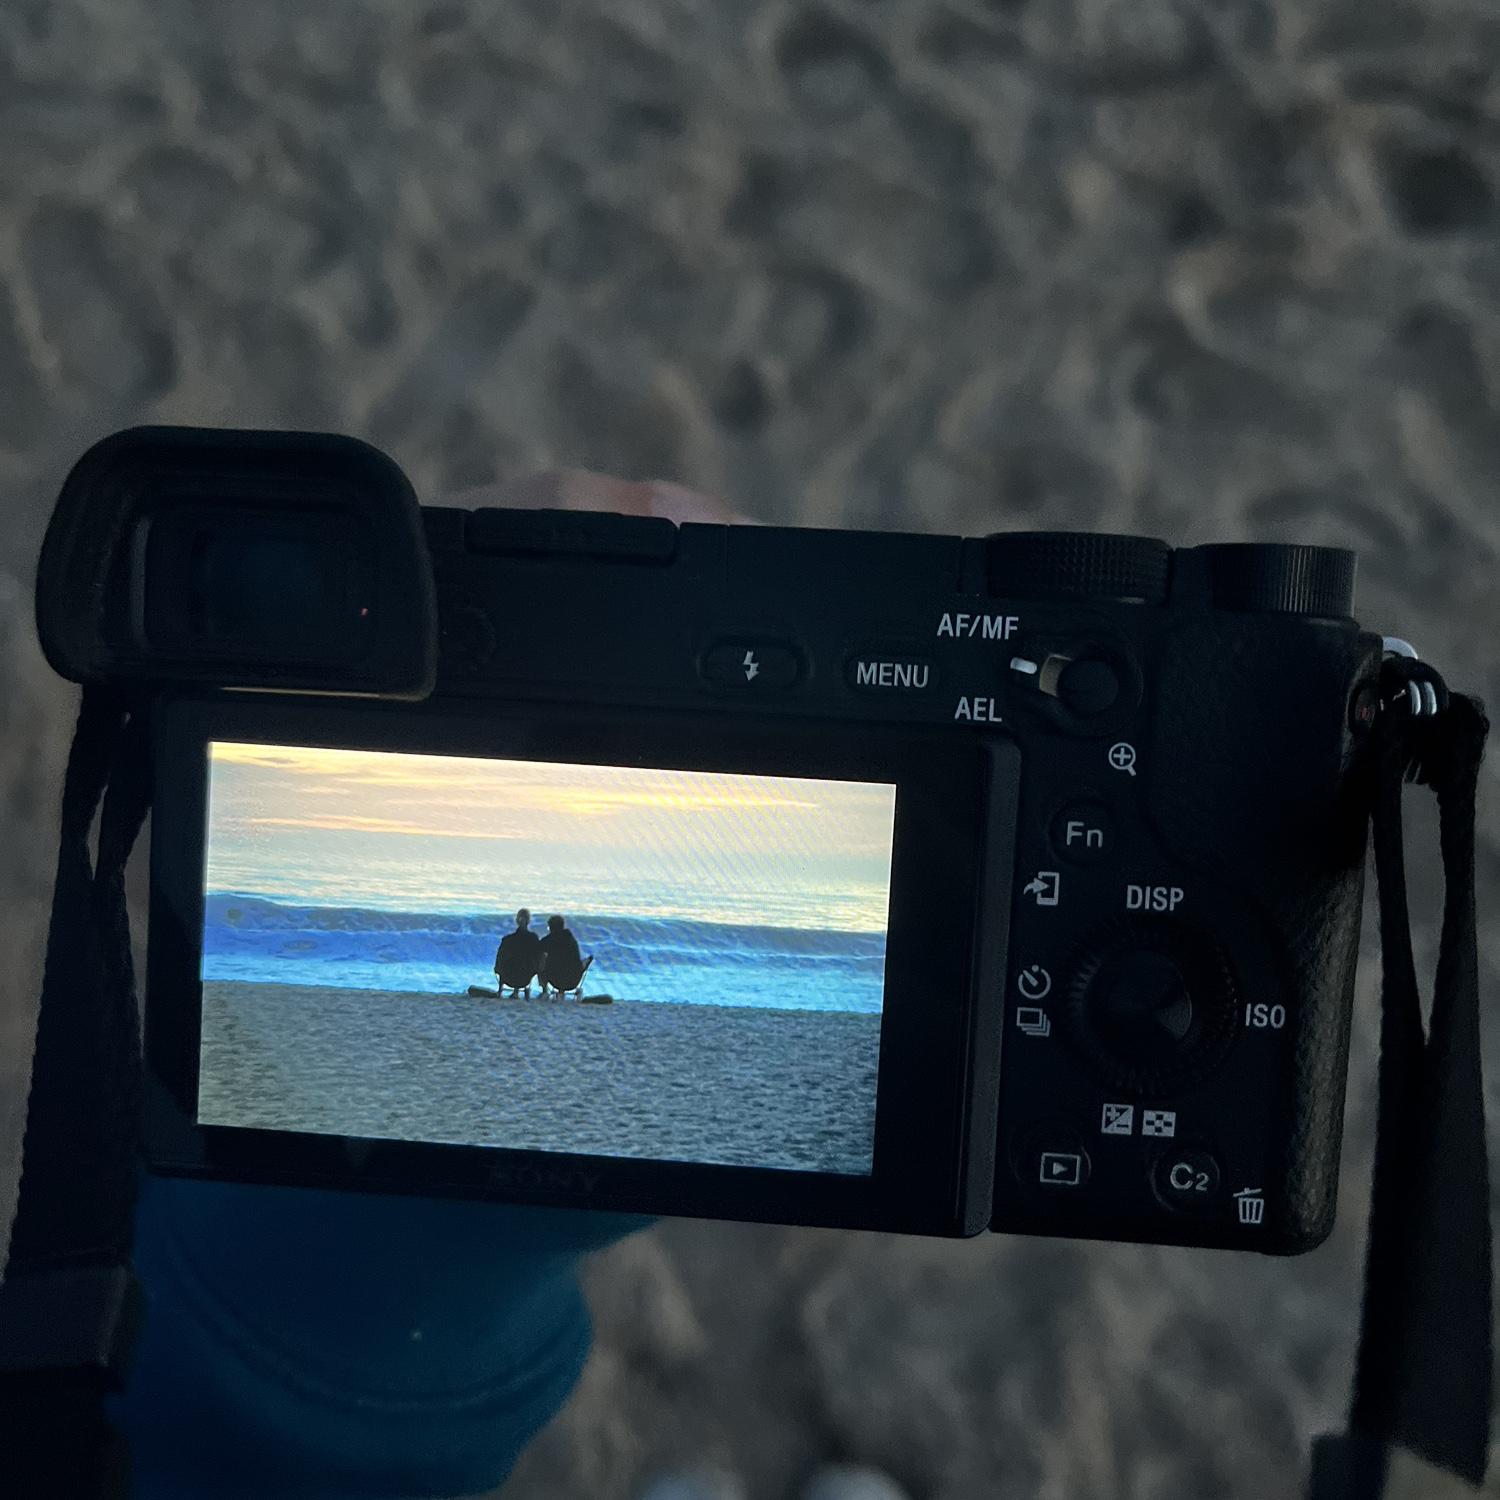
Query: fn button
(1083,833)
(756,666)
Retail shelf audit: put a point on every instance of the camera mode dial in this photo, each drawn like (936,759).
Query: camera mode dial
(1152,1005)
(1274,578)
(1077,565)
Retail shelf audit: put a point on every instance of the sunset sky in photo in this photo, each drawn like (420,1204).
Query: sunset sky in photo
(450,833)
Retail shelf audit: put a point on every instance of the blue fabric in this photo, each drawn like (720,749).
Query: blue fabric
(317,1345)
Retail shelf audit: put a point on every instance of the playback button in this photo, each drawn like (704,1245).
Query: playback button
(754,666)
(1053,1161)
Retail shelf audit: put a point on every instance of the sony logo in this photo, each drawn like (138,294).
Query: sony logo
(549,1179)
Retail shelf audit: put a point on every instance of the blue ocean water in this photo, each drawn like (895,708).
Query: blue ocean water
(664,960)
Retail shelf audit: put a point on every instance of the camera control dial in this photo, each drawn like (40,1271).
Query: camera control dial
(1152,1004)
(1077,565)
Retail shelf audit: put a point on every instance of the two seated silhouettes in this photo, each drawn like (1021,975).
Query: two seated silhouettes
(554,961)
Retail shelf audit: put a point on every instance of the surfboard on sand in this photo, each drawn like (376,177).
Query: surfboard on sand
(478,992)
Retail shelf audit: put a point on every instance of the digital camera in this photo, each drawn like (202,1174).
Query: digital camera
(902,882)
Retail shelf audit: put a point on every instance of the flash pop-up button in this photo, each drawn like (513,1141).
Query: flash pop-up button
(757,666)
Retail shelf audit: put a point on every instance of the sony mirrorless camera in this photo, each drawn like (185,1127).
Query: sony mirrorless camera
(903,882)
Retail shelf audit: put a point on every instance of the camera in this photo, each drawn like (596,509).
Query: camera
(902,882)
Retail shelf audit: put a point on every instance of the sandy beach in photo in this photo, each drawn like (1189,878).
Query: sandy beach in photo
(737,1086)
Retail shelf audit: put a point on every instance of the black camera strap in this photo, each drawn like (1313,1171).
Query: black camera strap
(1420,1416)
(1419,1422)
(69,1303)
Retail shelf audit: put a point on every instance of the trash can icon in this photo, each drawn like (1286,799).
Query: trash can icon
(1251,1205)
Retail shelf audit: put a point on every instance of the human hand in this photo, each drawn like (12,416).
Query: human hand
(582,489)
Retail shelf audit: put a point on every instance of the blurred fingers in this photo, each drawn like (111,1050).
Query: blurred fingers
(581,489)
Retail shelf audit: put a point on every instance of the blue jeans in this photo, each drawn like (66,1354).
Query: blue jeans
(316,1345)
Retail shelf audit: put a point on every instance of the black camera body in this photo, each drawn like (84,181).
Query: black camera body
(1124,869)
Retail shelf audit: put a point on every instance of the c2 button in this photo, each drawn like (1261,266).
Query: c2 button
(1187,1179)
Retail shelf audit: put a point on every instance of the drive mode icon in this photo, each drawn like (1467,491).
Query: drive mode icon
(1034,982)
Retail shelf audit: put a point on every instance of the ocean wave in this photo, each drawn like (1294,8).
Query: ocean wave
(245,923)
(667,958)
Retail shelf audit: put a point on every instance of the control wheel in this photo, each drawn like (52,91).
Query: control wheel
(1152,1004)
(1077,565)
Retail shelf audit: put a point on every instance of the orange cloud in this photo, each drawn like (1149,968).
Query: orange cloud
(596,801)
(582,791)
(375,825)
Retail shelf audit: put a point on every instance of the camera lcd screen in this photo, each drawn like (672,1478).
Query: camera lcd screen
(618,961)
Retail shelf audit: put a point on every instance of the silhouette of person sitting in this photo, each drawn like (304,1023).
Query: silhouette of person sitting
(563,966)
(519,957)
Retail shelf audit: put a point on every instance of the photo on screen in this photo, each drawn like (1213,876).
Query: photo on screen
(655,964)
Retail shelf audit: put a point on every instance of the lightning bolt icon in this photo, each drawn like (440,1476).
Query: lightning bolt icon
(751,666)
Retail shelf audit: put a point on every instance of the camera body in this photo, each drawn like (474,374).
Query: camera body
(1125,863)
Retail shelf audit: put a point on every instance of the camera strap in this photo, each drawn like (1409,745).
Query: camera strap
(1420,1416)
(69,1303)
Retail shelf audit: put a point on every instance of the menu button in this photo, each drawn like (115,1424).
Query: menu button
(887,672)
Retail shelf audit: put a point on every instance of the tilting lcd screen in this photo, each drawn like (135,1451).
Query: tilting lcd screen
(670,965)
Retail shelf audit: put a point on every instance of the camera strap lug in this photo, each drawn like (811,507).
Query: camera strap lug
(1407,682)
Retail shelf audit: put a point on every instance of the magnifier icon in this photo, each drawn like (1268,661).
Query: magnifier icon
(1122,757)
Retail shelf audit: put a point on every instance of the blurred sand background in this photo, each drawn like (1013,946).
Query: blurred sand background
(1209,271)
